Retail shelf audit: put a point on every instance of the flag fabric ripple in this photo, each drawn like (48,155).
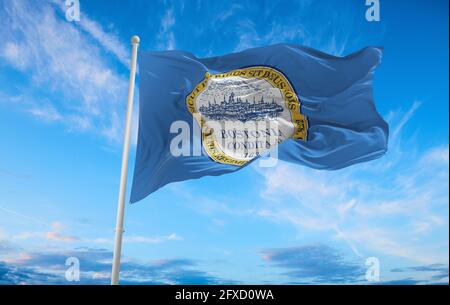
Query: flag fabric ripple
(334,93)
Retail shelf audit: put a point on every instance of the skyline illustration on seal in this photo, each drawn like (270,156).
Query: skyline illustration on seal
(235,109)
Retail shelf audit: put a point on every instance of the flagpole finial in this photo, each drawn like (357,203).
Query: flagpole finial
(135,39)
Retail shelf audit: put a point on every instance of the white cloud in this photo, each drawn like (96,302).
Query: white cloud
(152,240)
(67,67)
(55,234)
(390,209)
(174,236)
(398,244)
(331,37)
(142,239)
(231,11)
(23,216)
(139,239)
(436,156)
(405,119)
(166,36)
(249,36)
(45,112)
(167,21)
(11,52)
(107,40)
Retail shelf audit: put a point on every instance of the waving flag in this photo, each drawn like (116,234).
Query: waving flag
(316,109)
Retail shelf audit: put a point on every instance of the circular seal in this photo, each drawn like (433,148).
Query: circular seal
(244,112)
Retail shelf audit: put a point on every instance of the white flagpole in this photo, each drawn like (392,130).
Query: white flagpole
(124,170)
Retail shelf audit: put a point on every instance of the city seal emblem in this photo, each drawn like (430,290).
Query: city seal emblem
(244,112)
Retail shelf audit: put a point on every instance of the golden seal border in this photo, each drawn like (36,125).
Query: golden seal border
(271,75)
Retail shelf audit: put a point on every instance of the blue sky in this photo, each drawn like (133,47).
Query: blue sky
(63,92)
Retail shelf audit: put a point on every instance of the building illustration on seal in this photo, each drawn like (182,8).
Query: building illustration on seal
(235,109)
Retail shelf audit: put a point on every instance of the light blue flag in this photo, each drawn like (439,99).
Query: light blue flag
(317,109)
